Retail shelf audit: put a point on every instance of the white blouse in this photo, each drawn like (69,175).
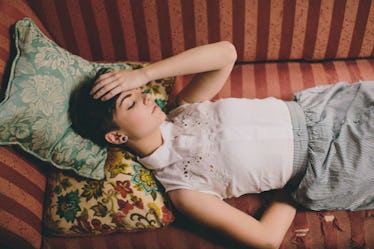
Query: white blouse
(226,148)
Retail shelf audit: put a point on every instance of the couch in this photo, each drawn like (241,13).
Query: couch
(283,47)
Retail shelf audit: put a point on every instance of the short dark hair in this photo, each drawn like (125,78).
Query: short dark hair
(92,118)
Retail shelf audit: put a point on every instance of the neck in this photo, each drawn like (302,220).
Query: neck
(145,146)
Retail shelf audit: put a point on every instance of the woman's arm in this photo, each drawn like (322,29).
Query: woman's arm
(211,63)
(268,232)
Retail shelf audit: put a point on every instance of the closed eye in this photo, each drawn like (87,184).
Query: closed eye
(131,106)
(124,98)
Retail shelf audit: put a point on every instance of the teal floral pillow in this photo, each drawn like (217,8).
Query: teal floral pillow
(34,112)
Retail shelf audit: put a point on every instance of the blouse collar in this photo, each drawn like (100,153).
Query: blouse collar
(164,155)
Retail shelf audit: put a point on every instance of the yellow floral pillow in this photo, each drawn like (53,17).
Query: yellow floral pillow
(128,199)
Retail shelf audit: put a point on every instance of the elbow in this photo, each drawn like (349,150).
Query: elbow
(230,53)
(269,241)
(269,246)
(274,244)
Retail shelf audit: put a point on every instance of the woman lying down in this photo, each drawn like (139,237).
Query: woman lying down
(320,146)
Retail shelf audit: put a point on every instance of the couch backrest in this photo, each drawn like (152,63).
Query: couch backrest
(10,12)
(261,29)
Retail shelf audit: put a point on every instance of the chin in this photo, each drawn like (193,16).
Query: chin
(163,117)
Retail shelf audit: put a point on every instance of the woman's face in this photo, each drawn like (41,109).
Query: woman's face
(137,114)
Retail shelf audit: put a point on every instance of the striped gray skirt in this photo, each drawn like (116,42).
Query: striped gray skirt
(334,147)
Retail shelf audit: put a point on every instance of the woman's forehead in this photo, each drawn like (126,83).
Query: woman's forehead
(125,94)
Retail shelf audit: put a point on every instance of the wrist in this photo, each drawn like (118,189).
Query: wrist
(145,74)
(139,78)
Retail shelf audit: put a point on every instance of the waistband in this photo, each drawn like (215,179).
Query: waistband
(300,134)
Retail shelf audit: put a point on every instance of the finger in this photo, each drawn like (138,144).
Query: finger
(115,91)
(103,84)
(104,90)
(102,80)
(104,76)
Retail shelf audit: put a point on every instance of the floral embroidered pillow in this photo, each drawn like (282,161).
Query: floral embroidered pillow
(129,199)
(34,112)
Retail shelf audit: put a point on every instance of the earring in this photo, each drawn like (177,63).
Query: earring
(124,139)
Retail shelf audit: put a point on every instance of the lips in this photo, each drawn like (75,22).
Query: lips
(154,108)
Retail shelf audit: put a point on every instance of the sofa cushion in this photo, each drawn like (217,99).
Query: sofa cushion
(34,113)
(128,199)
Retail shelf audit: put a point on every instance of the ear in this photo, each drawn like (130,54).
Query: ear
(114,137)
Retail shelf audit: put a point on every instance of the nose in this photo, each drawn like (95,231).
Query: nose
(147,98)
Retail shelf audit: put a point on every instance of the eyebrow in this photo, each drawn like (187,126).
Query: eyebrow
(127,96)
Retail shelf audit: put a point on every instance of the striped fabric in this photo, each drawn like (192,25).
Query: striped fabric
(320,230)
(308,231)
(149,30)
(22,187)
(22,183)
(280,80)
(10,12)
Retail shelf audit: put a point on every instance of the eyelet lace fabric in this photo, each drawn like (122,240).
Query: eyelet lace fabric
(201,162)
(222,147)
(198,166)
(190,119)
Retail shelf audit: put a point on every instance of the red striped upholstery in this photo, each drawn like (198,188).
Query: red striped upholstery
(22,183)
(22,187)
(282,79)
(313,225)
(10,12)
(260,29)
